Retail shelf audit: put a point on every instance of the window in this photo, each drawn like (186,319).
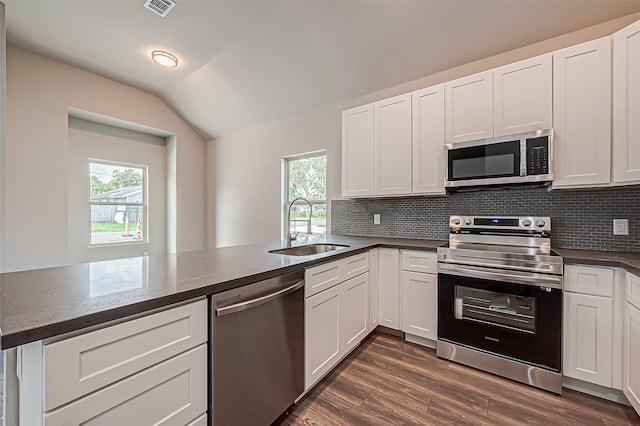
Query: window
(118,202)
(306,177)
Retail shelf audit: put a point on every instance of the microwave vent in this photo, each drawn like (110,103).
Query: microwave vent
(161,7)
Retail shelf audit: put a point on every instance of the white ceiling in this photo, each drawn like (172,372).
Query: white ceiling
(247,63)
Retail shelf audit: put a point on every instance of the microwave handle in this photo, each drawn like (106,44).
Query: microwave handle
(523,156)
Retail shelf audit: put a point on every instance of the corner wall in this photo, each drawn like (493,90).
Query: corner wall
(39,93)
(244,179)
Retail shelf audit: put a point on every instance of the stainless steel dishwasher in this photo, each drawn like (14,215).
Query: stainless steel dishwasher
(257,351)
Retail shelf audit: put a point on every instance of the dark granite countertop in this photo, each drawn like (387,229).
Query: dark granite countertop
(628,261)
(43,303)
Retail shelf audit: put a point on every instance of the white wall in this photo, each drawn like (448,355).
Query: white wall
(40,92)
(244,169)
(90,140)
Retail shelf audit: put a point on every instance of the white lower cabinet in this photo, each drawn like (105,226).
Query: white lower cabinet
(336,321)
(389,288)
(419,284)
(354,311)
(322,334)
(171,393)
(373,289)
(420,304)
(147,370)
(631,346)
(588,337)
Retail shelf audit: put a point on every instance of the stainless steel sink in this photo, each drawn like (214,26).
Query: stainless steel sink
(309,249)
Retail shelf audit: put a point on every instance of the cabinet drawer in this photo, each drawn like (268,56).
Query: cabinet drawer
(200,421)
(420,261)
(79,365)
(171,393)
(353,266)
(633,290)
(321,277)
(588,280)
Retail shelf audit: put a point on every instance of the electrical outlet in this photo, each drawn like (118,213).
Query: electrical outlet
(620,226)
(376,219)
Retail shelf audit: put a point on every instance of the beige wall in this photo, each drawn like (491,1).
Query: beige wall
(244,169)
(40,92)
(3,127)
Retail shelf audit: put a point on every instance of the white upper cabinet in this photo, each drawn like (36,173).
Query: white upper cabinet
(428,140)
(469,107)
(515,98)
(626,104)
(357,152)
(392,145)
(522,96)
(582,114)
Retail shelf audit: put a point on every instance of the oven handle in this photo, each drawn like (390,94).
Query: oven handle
(516,277)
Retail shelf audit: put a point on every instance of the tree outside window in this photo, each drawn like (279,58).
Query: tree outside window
(117,201)
(306,177)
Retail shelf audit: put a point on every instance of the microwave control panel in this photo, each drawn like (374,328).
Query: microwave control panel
(538,156)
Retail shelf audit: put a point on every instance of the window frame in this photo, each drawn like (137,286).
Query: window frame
(285,188)
(143,204)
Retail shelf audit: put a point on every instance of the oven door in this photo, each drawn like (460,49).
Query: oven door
(510,314)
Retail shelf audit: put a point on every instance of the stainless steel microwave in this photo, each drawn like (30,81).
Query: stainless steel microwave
(526,157)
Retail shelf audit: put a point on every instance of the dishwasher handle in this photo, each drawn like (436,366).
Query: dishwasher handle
(241,306)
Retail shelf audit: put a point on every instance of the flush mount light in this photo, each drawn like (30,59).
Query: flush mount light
(164,58)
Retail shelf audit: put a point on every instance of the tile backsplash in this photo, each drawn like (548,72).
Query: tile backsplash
(580,219)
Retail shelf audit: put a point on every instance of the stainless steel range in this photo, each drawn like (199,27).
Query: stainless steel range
(500,298)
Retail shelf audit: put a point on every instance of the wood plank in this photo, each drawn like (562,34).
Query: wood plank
(387,381)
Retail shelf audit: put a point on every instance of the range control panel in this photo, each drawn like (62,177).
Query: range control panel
(535,223)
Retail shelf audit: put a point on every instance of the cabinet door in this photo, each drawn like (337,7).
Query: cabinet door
(322,277)
(354,311)
(631,355)
(357,152)
(419,304)
(588,330)
(354,265)
(522,94)
(389,288)
(419,261)
(322,334)
(469,108)
(633,289)
(582,114)
(626,104)
(373,289)
(170,393)
(82,364)
(592,280)
(428,140)
(392,146)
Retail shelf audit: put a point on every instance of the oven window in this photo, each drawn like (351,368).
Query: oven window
(498,309)
(485,161)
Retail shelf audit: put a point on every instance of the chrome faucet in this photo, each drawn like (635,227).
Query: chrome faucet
(291,237)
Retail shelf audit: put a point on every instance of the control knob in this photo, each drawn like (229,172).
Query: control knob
(540,223)
(467,221)
(456,221)
(526,222)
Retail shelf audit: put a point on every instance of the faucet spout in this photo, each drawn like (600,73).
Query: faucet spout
(291,237)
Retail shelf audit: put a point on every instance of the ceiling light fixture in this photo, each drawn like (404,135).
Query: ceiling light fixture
(164,58)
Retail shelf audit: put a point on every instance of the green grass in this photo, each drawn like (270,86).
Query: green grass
(111,227)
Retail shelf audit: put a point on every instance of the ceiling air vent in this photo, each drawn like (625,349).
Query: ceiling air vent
(161,7)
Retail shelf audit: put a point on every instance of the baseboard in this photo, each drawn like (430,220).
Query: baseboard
(418,340)
(595,390)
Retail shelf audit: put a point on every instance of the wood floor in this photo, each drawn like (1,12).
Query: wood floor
(387,381)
